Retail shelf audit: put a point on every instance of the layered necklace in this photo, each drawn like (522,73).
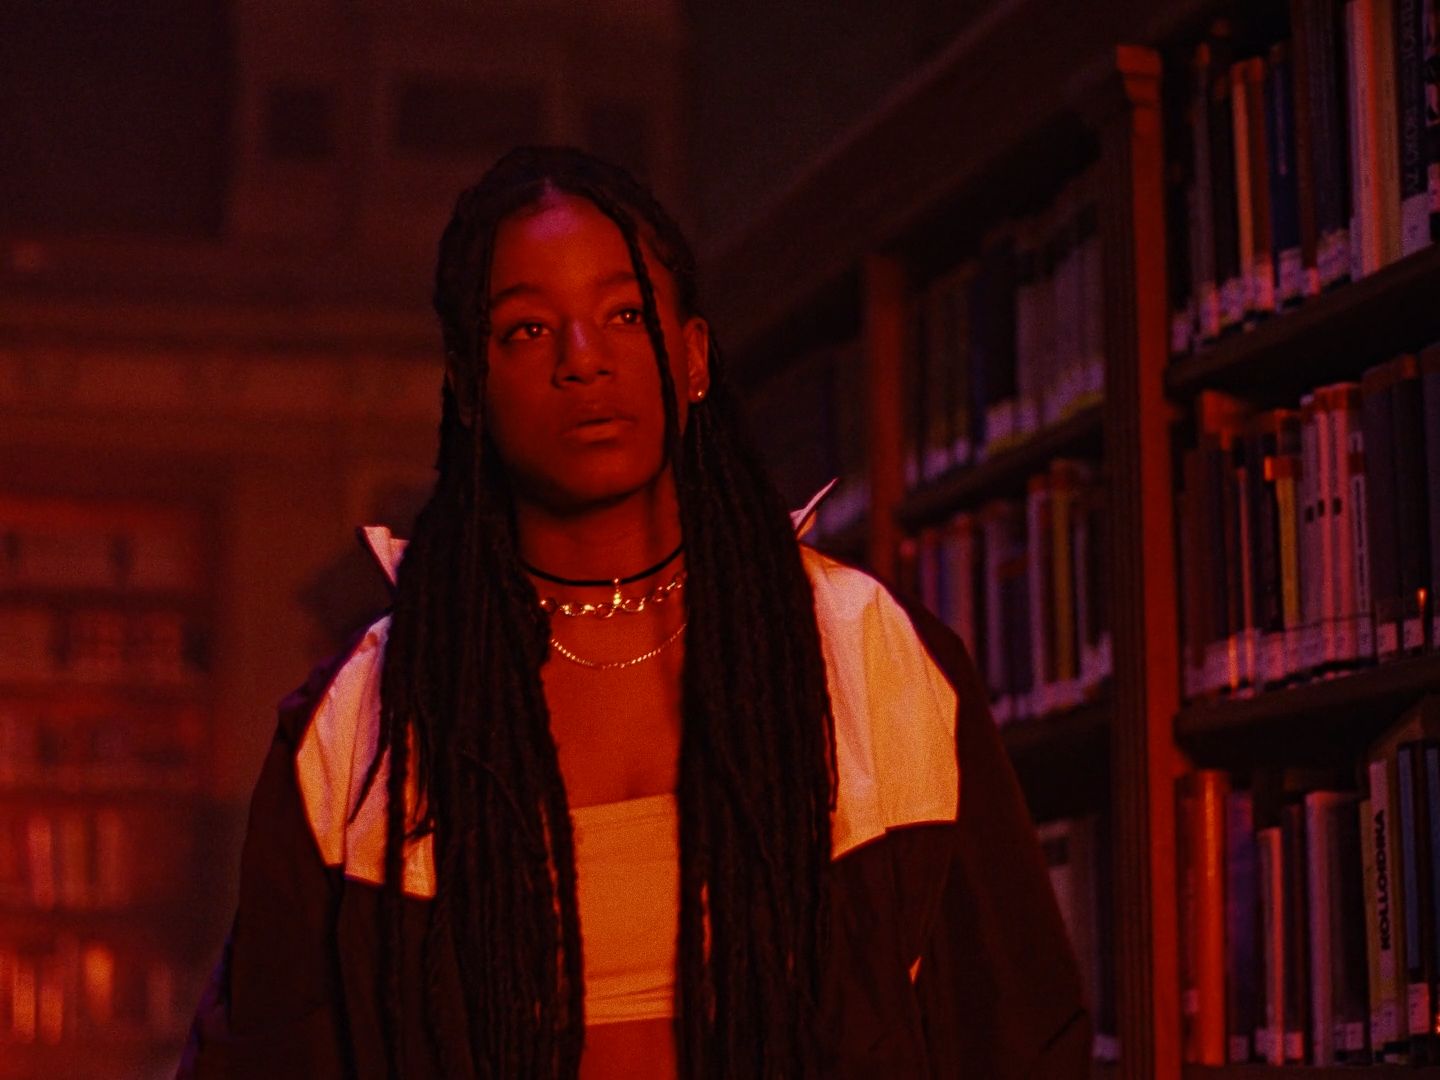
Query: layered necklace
(617,604)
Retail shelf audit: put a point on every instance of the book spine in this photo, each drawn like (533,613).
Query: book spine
(1269,615)
(1298,90)
(1297,936)
(1367,252)
(1364,618)
(1202,202)
(1271,1042)
(1432,805)
(1244,1011)
(1288,499)
(1414,858)
(1039,561)
(1312,565)
(957,305)
(1319,856)
(1327,563)
(1377,424)
(1228,268)
(1325,91)
(1387,163)
(1244,144)
(1410,92)
(1284,191)
(1342,511)
(1412,516)
(1347,887)
(1262,281)
(1064,484)
(1386,988)
(1202,812)
(996,544)
(1432,111)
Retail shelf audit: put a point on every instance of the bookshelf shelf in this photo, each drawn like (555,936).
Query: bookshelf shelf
(1332,716)
(1338,334)
(184,693)
(1057,734)
(1308,1072)
(1006,471)
(1061,760)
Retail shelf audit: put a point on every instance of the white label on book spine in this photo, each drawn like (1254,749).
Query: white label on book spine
(1239,1049)
(1180,323)
(1349,1037)
(1272,662)
(1264,1040)
(1344,639)
(1364,638)
(1232,302)
(1417,1000)
(1412,633)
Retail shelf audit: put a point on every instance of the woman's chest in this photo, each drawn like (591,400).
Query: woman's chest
(617,733)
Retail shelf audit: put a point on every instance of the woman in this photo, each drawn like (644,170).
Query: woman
(629,783)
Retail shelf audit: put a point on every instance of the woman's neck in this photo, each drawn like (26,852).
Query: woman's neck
(608,541)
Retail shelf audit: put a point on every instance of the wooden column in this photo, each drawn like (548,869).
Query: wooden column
(1142,562)
(884,299)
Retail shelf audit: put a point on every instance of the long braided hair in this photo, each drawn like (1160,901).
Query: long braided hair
(464,718)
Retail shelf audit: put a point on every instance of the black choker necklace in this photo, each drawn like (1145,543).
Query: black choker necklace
(605,582)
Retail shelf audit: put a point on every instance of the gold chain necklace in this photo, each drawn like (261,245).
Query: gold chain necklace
(625,605)
(612,665)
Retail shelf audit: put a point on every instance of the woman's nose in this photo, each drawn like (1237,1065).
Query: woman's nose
(583,355)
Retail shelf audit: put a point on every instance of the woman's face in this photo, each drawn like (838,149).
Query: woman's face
(573,399)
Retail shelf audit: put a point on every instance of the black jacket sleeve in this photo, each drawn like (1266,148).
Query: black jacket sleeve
(272,1006)
(999,987)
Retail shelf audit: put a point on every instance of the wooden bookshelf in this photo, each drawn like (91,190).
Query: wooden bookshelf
(1005,471)
(1338,333)
(918,181)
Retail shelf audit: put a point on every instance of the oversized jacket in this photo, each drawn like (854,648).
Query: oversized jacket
(948,956)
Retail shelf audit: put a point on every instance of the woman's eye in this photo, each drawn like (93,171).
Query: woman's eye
(631,316)
(525,331)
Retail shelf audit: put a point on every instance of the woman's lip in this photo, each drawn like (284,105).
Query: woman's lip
(597,429)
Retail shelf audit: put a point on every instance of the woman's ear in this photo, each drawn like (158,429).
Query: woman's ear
(697,358)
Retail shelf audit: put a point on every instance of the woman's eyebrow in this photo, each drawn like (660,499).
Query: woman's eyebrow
(619,277)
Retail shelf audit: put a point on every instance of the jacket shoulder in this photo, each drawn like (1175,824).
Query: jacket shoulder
(894,708)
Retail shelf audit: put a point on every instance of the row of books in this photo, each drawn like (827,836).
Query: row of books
(84,988)
(1024,585)
(101,645)
(1306,152)
(98,745)
(1077,855)
(1310,912)
(1010,341)
(61,544)
(1309,538)
(84,858)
